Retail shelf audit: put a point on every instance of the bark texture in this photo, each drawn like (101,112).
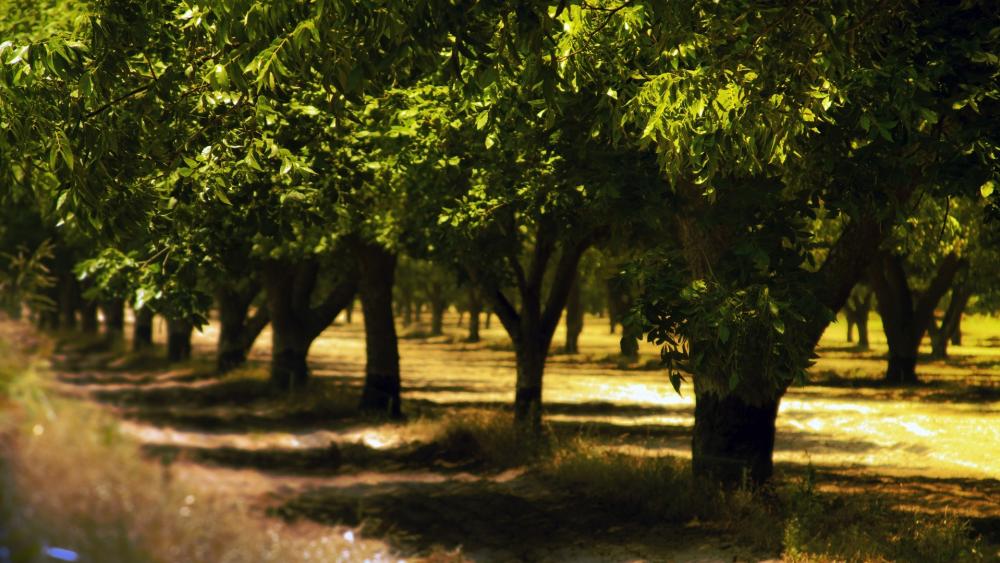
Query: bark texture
(142,330)
(381,392)
(295,321)
(178,340)
(905,317)
(574,318)
(238,328)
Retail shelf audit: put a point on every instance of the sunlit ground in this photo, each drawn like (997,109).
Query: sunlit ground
(933,430)
(935,446)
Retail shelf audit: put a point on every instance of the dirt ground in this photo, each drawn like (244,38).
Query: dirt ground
(934,447)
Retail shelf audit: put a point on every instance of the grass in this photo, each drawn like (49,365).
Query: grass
(69,480)
(794,519)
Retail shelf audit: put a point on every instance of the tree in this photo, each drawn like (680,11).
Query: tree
(856,311)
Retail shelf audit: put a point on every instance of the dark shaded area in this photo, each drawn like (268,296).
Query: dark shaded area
(331,460)
(936,391)
(490,521)
(960,496)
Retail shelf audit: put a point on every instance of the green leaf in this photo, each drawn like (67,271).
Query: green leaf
(987,189)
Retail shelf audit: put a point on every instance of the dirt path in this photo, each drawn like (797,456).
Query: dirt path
(935,447)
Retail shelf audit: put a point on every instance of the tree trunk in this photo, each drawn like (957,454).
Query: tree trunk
(733,440)
(904,321)
(142,330)
(114,320)
(956,335)
(69,301)
(850,329)
(574,318)
(407,312)
(856,311)
(438,307)
(950,322)
(178,340)
(863,343)
(381,391)
(290,339)
(237,328)
(531,353)
(88,317)
(489,317)
(475,307)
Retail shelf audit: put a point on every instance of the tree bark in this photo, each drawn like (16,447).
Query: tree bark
(904,319)
(733,439)
(438,307)
(142,330)
(88,317)
(574,318)
(69,301)
(956,335)
(295,322)
(531,329)
(856,310)
(944,334)
(531,353)
(114,320)
(475,308)
(381,391)
(178,340)
(238,329)
(850,329)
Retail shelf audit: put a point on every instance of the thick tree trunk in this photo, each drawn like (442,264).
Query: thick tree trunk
(381,391)
(290,338)
(863,343)
(902,368)
(574,318)
(237,328)
(142,330)
(178,340)
(733,439)
(956,336)
(88,317)
(114,320)
(489,318)
(475,307)
(850,328)
(531,354)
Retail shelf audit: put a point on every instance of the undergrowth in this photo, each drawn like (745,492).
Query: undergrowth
(70,481)
(793,519)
